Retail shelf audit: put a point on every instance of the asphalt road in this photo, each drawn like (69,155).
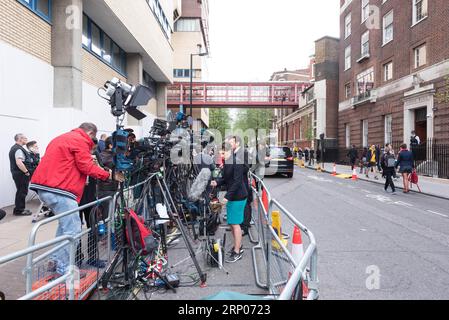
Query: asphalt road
(371,244)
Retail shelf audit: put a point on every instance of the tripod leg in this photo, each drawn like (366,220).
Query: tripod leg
(166,195)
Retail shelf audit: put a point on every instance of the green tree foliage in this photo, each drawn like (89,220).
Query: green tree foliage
(219,119)
(254,119)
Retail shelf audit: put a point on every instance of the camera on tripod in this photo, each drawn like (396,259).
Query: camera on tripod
(124,98)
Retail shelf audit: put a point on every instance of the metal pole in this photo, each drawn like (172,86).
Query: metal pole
(191,88)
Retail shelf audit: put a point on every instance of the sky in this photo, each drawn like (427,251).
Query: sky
(251,39)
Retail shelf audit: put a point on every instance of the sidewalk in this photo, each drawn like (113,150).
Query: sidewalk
(429,186)
(14,233)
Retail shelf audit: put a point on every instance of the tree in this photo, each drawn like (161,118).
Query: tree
(220,120)
(256,119)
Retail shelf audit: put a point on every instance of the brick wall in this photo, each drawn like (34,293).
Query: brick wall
(96,72)
(25,30)
(434,31)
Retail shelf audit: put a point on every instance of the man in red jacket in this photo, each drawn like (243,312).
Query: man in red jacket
(60,179)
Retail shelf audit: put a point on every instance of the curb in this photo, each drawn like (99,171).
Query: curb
(397,187)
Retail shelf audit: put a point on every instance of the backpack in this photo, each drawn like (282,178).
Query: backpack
(389,160)
(138,235)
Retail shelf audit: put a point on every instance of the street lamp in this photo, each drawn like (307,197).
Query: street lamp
(191,80)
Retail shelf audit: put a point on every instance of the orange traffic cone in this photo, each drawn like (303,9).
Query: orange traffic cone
(297,247)
(334,170)
(298,254)
(265,199)
(354,175)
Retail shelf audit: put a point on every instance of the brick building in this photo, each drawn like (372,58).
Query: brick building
(394,57)
(317,112)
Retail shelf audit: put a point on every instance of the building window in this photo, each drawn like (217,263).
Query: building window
(365,44)
(347,58)
(365,81)
(365,133)
(99,43)
(185,73)
(41,7)
(388,71)
(348,136)
(365,10)
(348,25)
(156,7)
(419,10)
(348,91)
(420,56)
(187,25)
(388,27)
(388,129)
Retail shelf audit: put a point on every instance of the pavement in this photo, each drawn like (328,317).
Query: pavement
(371,244)
(14,233)
(430,186)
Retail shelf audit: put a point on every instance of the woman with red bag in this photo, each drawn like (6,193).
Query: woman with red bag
(406,165)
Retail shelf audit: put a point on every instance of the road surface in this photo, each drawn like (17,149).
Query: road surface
(371,244)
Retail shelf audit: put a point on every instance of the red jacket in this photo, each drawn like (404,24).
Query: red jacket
(66,165)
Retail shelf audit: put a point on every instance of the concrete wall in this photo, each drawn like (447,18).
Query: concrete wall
(150,37)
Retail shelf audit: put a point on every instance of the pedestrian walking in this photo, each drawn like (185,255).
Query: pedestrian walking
(20,160)
(353,155)
(59,181)
(372,162)
(390,147)
(388,163)
(307,155)
(364,161)
(378,158)
(235,198)
(406,165)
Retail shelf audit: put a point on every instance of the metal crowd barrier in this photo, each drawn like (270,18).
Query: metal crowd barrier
(68,278)
(39,281)
(283,275)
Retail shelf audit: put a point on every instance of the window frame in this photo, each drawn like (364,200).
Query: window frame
(388,124)
(32,6)
(384,28)
(120,69)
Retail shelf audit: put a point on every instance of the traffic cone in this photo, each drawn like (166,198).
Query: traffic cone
(298,254)
(297,246)
(334,170)
(354,175)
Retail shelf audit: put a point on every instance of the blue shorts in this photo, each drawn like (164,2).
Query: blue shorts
(235,212)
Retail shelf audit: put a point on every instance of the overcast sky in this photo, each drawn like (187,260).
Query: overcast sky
(251,39)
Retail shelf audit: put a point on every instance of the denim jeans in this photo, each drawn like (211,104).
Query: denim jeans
(68,226)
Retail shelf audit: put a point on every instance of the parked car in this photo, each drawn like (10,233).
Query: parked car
(282,162)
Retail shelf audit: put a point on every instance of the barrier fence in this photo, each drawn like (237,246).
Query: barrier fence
(285,277)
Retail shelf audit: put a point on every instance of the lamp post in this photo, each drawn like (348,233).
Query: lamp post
(191,81)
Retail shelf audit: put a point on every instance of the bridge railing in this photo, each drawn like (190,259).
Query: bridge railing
(240,94)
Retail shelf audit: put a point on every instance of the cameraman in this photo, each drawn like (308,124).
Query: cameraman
(60,179)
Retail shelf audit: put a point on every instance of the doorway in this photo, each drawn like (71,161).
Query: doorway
(421,124)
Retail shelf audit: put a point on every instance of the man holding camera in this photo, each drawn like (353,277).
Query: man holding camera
(60,179)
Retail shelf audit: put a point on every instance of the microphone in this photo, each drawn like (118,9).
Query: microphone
(199,185)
